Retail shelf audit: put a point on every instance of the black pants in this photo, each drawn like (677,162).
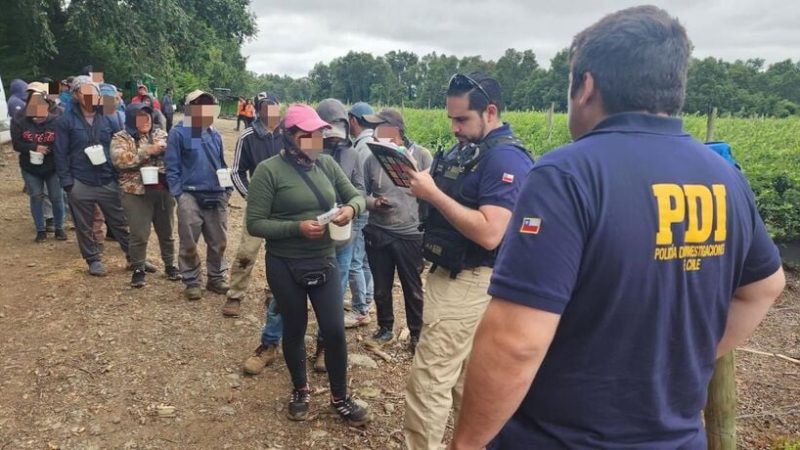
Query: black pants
(239,119)
(405,256)
(326,301)
(169,121)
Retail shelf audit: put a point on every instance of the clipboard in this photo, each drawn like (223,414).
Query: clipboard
(395,164)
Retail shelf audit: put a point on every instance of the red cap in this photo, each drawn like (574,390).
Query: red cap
(303,117)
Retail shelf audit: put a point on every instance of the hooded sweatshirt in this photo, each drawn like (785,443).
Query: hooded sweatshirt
(17,98)
(27,134)
(402,218)
(129,154)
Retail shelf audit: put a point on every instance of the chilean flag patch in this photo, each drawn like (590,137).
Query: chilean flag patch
(531,225)
(508,178)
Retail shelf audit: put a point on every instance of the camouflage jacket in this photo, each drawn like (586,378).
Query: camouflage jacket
(128,157)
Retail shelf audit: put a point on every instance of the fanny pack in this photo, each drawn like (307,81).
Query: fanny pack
(311,272)
(376,238)
(445,248)
(209,200)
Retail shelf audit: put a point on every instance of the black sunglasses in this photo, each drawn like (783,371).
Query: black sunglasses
(460,82)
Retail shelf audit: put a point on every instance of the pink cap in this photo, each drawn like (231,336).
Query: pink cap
(303,117)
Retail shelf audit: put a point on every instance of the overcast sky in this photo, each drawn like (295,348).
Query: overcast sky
(294,35)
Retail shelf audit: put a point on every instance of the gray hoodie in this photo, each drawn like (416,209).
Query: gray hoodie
(402,218)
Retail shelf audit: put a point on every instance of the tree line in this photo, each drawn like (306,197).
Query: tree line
(189,44)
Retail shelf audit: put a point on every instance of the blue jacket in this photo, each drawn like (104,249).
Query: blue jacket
(72,137)
(193,161)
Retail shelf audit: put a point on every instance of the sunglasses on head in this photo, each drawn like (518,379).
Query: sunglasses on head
(461,82)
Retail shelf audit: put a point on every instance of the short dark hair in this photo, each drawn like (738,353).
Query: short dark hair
(638,58)
(363,123)
(479,100)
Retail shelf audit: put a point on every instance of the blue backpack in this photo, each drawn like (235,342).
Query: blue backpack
(724,149)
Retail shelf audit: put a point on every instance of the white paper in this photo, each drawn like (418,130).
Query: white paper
(326,218)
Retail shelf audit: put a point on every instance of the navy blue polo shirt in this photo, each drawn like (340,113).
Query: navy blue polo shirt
(638,236)
(496,181)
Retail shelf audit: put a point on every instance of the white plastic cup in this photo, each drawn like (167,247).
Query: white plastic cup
(96,154)
(149,175)
(340,233)
(37,159)
(224,177)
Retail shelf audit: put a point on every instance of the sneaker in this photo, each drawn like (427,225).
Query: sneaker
(355,319)
(173,274)
(412,344)
(137,279)
(41,236)
(48,225)
(319,360)
(383,336)
(355,414)
(298,405)
(193,293)
(218,286)
(231,308)
(61,235)
(263,356)
(97,269)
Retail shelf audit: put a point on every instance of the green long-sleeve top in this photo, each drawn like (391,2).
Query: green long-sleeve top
(278,200)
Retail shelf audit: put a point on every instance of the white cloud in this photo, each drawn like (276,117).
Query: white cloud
(293,36)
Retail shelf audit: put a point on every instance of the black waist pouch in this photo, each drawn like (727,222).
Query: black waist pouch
(376,238)
(209,200)
(445,248)
(312,272)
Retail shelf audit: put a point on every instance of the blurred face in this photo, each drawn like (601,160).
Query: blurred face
(141,90)
(309,143)
(88,96)
(467,125)
(272,113)
(37,107)
(202,115)
(143,122)
(390,133)
(109,104)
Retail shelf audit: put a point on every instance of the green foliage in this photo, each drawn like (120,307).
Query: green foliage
(184,44)
(786,444)
(768,149)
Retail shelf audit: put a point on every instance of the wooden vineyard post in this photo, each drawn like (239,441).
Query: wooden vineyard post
(550,113)
(720,411)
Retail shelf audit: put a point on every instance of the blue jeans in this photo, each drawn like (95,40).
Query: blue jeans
(361,285)
(35,187)
(273,328)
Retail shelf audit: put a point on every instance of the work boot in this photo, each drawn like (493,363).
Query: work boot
(232,307)
(41,236)
(351,411)
(193,292)
(218,286)
(263,356)
(60,235)
(97,269)
(319,360)
(298,405)
(383,336)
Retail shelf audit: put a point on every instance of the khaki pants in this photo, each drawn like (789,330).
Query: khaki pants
(246,256)
(212,225)
(451,313)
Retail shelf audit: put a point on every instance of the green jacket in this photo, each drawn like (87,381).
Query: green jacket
(278,200)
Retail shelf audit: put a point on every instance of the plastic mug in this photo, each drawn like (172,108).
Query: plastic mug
(37,159)
(96,154)
(224,177)
(340,233)
(149,175)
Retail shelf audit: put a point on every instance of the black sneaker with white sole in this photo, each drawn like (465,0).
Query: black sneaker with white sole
(137,279)
(298,405)
(351,411)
